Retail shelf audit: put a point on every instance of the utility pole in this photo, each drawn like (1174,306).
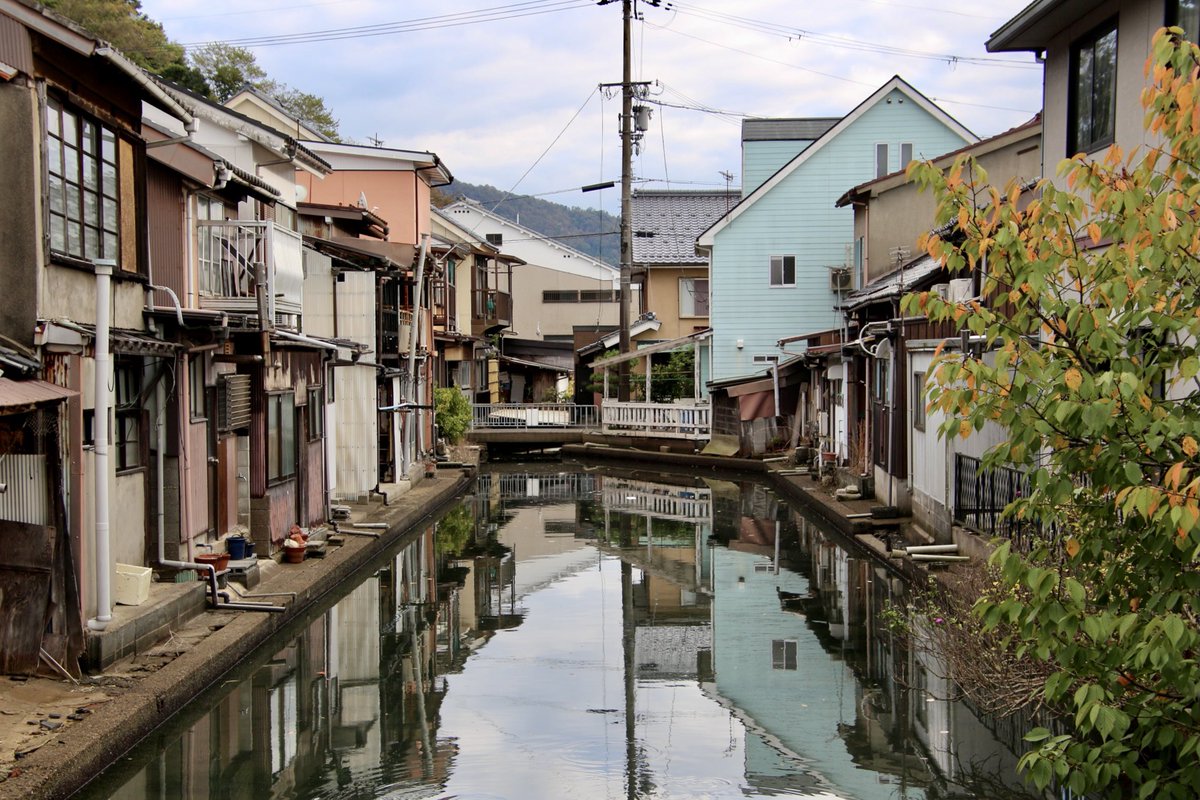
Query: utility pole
(631,133)
(626,195)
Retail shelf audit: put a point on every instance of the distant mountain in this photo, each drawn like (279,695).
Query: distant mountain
(588,230)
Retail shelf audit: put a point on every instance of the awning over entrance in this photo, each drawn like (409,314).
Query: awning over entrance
(16,396)
(660,347)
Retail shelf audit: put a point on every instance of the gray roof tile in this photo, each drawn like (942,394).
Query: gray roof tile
(666,223)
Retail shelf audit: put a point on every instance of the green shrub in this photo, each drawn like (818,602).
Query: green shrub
(452,412)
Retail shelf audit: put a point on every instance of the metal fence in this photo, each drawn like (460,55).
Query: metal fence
(981,495)
(533,415)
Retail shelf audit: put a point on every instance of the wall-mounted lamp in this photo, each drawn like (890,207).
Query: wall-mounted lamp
(741,343)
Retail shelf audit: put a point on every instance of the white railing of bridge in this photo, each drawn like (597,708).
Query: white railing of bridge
(672,420)
(659,500)
(532,415)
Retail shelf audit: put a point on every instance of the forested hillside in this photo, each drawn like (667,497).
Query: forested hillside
(588,230)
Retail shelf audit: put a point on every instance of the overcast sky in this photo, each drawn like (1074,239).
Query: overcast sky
(492,86)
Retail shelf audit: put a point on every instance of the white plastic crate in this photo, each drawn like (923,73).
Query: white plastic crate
(132,585)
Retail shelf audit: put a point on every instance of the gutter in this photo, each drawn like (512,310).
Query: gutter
(161,98)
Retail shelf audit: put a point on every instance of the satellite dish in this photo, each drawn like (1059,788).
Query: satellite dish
(301,193)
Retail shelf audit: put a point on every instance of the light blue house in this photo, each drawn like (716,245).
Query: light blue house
(780,260)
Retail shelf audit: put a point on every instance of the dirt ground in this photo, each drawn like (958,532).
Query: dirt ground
(34,711)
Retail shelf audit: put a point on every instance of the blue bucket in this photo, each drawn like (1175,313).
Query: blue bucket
(236,545)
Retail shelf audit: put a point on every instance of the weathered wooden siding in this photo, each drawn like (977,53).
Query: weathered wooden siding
(797,217)
(164,209)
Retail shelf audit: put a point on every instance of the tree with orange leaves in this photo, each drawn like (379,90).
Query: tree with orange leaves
(1090,324)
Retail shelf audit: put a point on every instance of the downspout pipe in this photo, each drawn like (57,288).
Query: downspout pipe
(103,557)
(216,597)
(408,457)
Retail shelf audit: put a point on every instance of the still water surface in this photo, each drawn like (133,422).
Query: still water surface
(582,634)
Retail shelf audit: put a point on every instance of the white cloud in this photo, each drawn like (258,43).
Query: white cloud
(489,98)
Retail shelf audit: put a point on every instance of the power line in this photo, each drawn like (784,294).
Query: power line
(492,14)
(845,42)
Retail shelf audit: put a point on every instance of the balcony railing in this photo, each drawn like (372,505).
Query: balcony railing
(443,302)
(229,253)
(396,330)
(490,310)
(671,420)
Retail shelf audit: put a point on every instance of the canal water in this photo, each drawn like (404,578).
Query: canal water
(569,632)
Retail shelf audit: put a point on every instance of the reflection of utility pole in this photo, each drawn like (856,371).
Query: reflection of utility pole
(419,670)
(627,640)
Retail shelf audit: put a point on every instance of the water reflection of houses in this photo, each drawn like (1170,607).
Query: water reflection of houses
(906,722)
(520,517)
(349,705)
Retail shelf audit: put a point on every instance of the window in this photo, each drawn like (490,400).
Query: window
(1185,14)
(906,154)
(693,297)
(783,653)
(783,270)
(881,160)
(127,419)
(84,197)
(196,378)
(281,436)
(918,401)
(859,252)
(496,239)
(560,296)
(1092,104)
(597,296)
(316,413)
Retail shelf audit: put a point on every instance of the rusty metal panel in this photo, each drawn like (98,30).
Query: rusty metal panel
(14,45)
(26,562)
(25,498)
(164,207)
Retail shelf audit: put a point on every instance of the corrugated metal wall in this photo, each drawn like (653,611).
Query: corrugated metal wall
(25,498)
(164,204)
(14,45)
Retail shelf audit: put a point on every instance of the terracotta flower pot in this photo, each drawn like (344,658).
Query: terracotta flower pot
(293,555)
(218,560)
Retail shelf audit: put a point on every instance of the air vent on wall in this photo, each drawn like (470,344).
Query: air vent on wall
(233,403)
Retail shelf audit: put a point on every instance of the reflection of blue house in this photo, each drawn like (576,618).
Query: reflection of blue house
(771,666)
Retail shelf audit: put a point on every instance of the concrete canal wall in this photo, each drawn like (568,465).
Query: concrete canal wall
(71,757)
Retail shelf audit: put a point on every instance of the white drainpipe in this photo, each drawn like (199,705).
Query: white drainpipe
(413,393)
(104,271)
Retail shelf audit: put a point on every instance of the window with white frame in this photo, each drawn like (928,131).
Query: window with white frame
(1092,103)
(881,160)
(783,270)
(917,401)
(693,297)
(906,154)
(83,184)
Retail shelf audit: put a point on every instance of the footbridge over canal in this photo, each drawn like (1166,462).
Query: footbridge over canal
(532,426)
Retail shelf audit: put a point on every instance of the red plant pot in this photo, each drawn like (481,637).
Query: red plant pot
(218,560)
(293,555)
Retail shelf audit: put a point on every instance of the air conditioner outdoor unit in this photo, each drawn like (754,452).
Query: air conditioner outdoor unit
(840,279)
(960,290)
(940,289)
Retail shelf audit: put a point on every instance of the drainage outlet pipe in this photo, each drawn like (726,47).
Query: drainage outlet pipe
(933,548)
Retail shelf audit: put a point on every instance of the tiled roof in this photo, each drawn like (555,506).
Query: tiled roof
(667,222)
(786,130)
